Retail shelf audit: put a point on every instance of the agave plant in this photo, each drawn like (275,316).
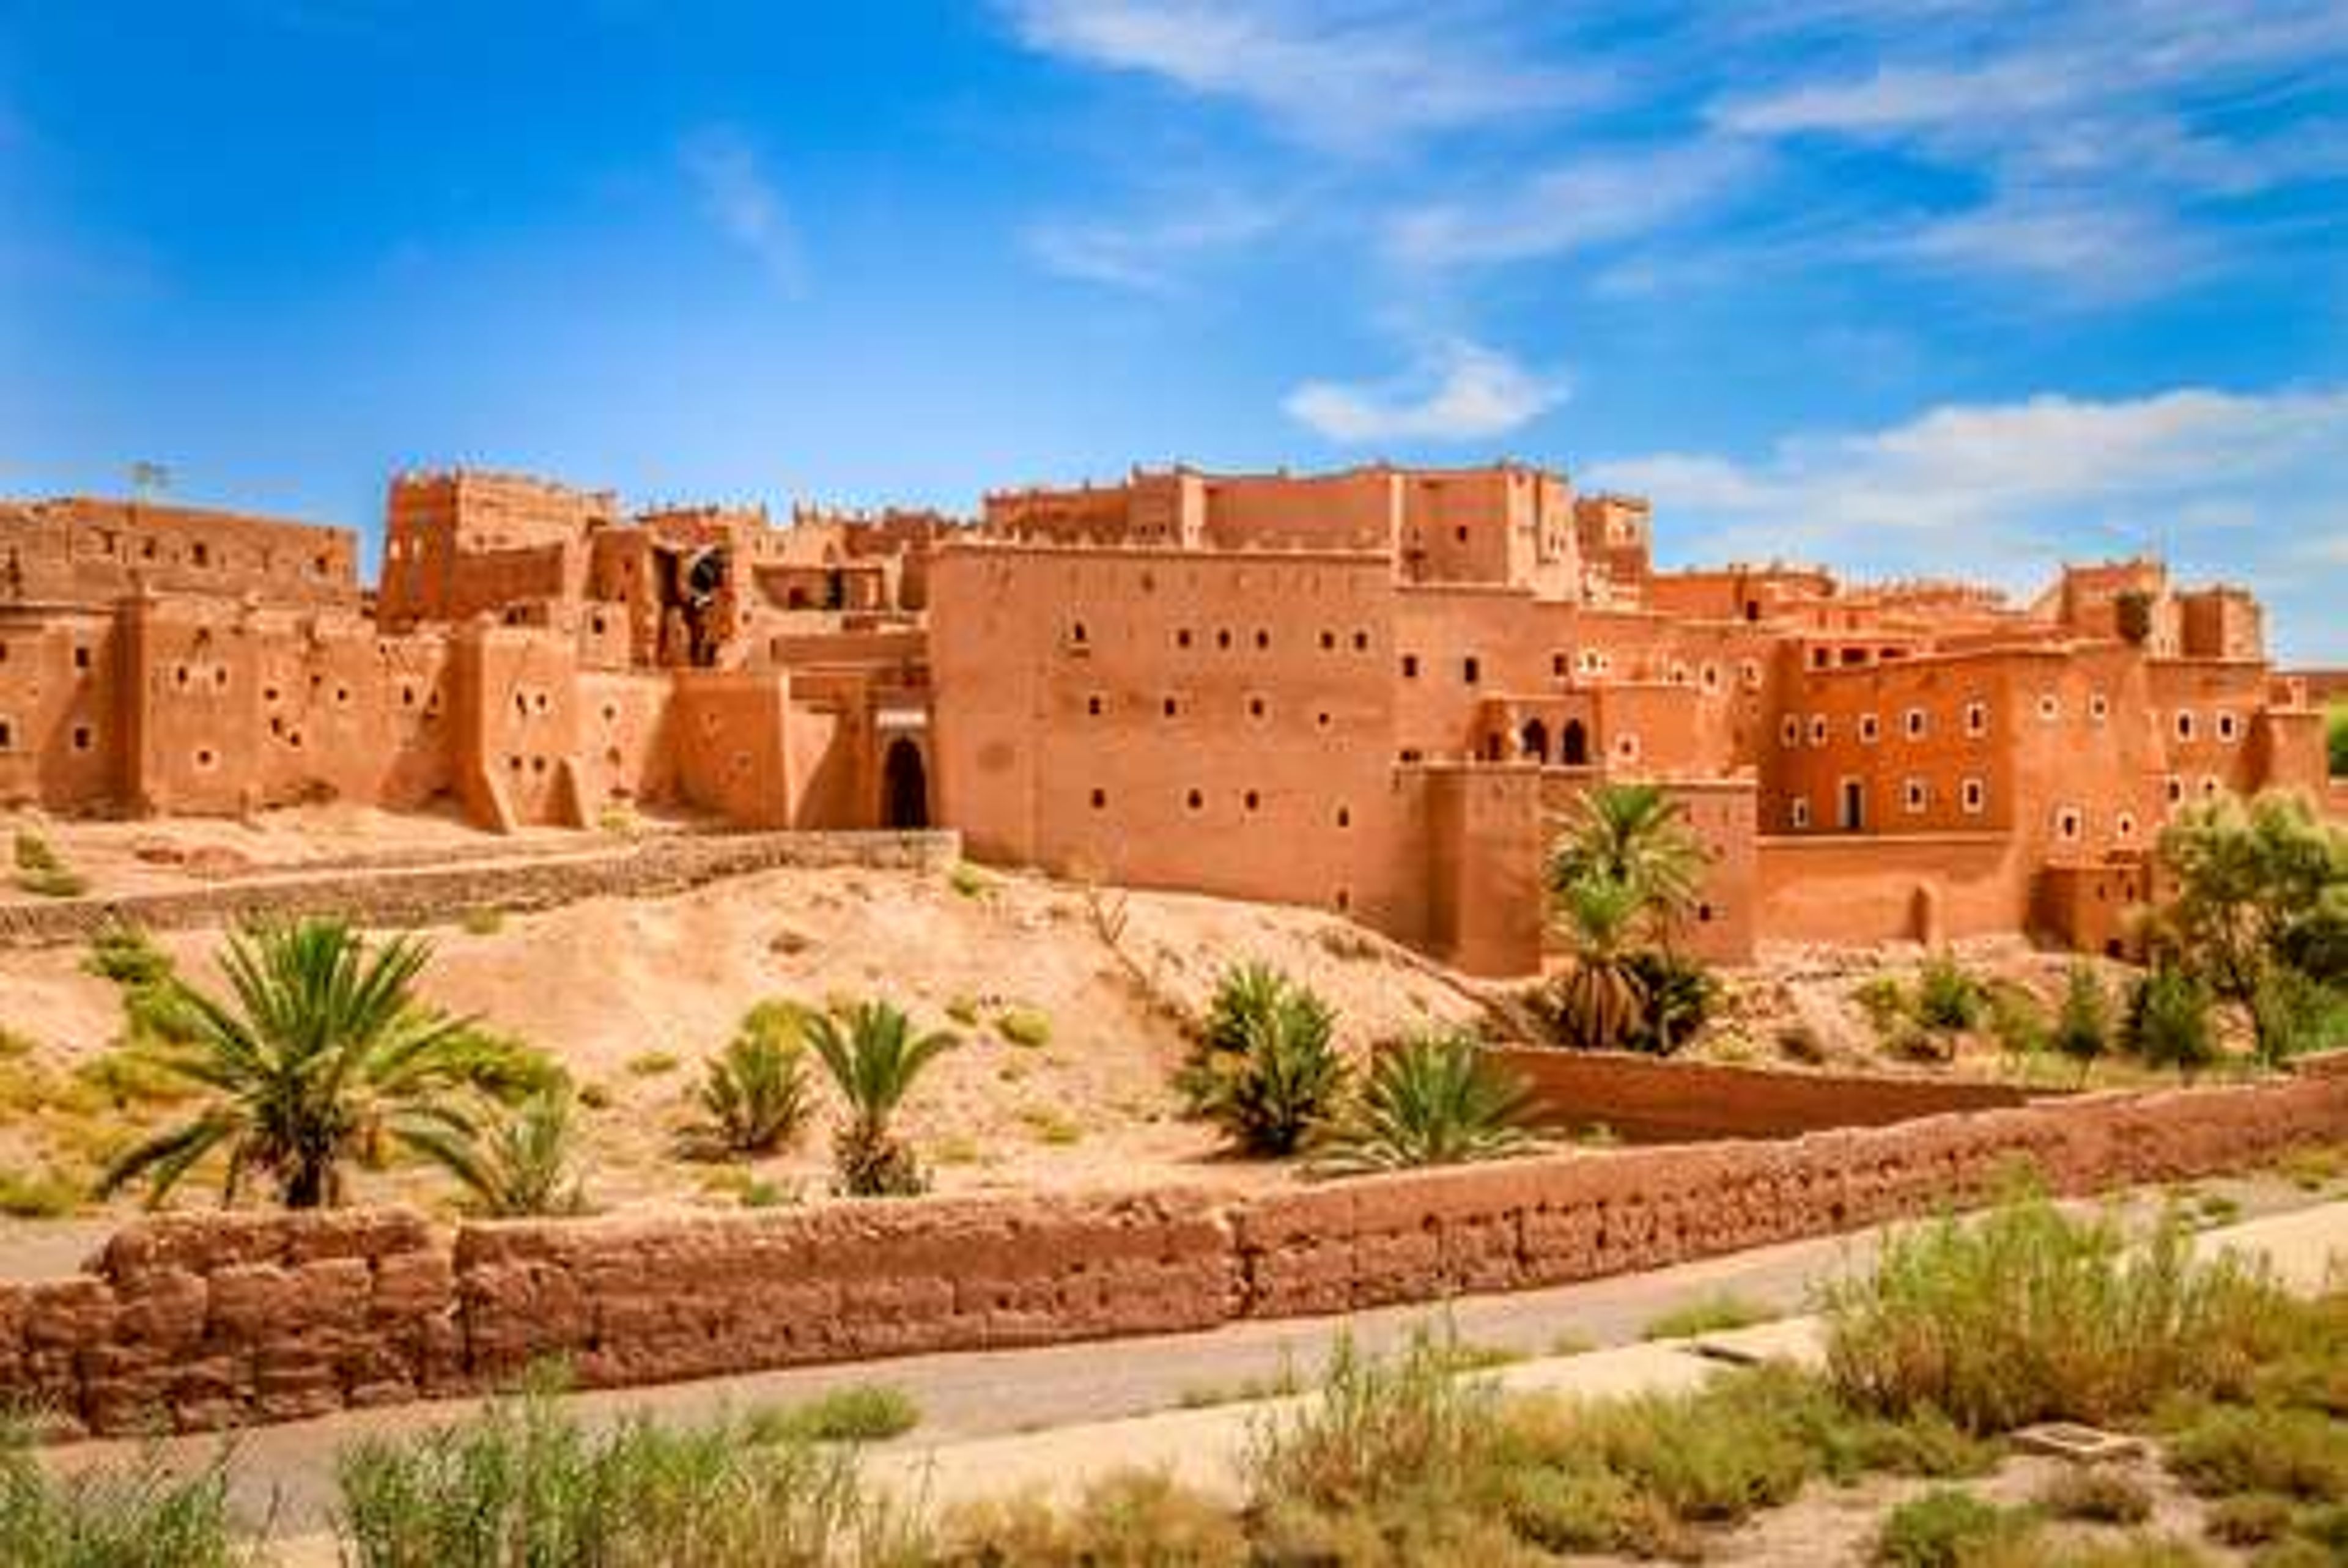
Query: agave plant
(757,1096)
(1268,1070)
(321,1054)
(874,1060)
(525,1163)
(1433,1099)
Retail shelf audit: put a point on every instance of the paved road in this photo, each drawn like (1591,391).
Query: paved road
(283,1474)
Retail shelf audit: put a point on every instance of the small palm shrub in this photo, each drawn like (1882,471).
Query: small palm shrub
(123,953)
(1268,1070)
(1434,1100)
(2167,1021)
(523,1164)
(1678,995)
(874,1057)
(1947,997)
(1600,998)
(2082,1025)
(320,1055)
(757,1096)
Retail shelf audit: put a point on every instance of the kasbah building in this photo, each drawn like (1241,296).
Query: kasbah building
(1373,691)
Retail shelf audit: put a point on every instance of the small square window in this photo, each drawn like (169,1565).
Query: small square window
(2068,823)
(2185,724)
(1094,706)
(1819,728)
(1345,816)
(1328,642)
(2229,726)
(1976,796)
(1410,666)
(2050,707)
(1558,665)
(1915,794)
(1799,812)
(1977,719)
(1789,731)
(1470,669)
(1195,800)
(1100,799)
(2099,707)
(1913,721)
(1182,638)
(1869,728)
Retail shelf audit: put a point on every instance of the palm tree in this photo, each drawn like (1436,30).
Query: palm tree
(1636,836)
(1433,1099)
(1600,997)
(874,1061)
(320,1054)
(524,1162)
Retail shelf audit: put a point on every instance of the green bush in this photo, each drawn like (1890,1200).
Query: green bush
(1946,1528)
(40,870)
(857,1413)
(2018,1023)
(123,953)
(1126,1519)
(1375,1427)
(2295,1014)
(2167,1021)
(524,1484)
(141,1514)
(1028,1027)
(1947,997)
(2030,1315)
(1268,1070)
(2096,1495)
(2082,1025)
(1677,995)
(1431,1100)
(757,1096)
(1884,1000)
(1712,1314)
(43,1195)
(2292,1452)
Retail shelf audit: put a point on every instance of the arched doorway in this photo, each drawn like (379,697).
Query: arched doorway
(1573,744)
(904,786)
(1535,739)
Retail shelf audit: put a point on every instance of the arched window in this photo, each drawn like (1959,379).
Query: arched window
(1573,744)
(1535,739)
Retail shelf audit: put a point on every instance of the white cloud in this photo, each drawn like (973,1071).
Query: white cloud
(2006,490)
(1342,72)
(1572,206)
(1463,392)
(2085,245)
(1148,254)
(737,197)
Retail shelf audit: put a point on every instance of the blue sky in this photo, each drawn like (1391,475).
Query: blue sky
(1902,285)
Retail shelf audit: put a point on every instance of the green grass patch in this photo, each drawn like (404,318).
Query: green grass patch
(134,1514)
(857,1413)
(651,1064)
(37,1195)
(1948,1528)
(1029,1028)
(1714,1314)
(482,920)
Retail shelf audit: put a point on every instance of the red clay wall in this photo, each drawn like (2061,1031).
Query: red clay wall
(204,1321)
(1648,1100)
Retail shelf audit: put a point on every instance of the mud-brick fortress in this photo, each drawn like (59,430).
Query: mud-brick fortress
(1371,691)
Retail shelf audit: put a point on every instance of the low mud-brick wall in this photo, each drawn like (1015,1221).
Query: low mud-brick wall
(1657,1100)
(204,1321)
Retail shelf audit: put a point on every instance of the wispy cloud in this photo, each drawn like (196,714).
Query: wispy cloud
(1462,391)
(2006,490)
(1572,206)
(1152,252)
(736,196)
(1348,73)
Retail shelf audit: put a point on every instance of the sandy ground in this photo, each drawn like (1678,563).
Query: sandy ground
(633,995)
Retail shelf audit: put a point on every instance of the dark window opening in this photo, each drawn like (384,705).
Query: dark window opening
(1345,816)
(1470,669)
(1535,739)
(1410,666)
(1854,805)
(1169,707)
(1100,799)
(1194,800)
(1573,744)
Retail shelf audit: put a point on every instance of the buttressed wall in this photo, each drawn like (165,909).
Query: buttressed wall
(1373,691)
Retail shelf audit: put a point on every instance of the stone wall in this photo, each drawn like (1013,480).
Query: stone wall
(424,895)
(1649,1099)
(204,1321)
